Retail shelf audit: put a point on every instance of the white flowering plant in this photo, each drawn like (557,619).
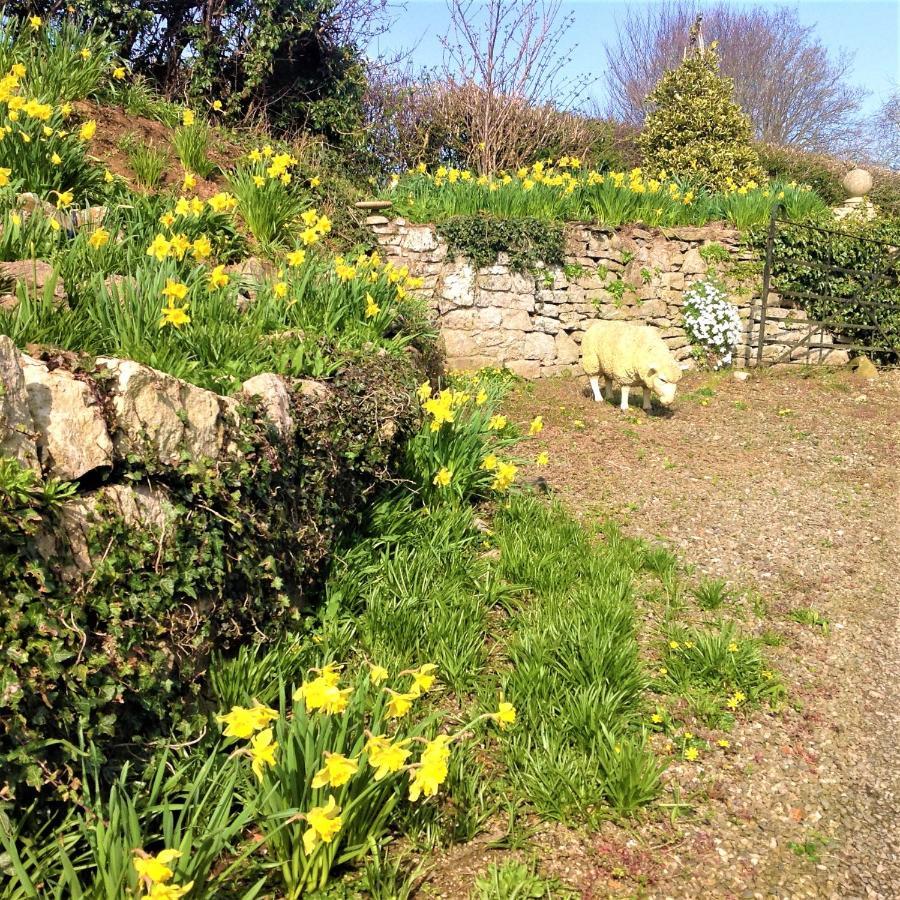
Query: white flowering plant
(712,322)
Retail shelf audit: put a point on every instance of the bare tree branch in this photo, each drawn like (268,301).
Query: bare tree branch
(796,93)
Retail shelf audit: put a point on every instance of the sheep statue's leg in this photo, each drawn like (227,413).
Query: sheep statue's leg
(647,396)
(608,388)
(624,404)
(595,387)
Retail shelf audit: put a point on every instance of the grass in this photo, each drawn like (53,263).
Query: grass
(191,144)
(146,161)
(808,616)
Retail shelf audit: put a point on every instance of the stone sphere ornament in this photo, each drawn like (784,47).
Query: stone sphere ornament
(857,183)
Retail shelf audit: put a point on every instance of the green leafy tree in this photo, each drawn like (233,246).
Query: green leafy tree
(695,130)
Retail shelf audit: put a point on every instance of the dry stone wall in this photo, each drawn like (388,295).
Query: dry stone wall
(533,323)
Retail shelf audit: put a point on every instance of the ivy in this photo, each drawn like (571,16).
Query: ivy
(116,655)
(836,268)
(527,243)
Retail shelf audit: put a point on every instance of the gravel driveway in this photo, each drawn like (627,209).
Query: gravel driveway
(786,485)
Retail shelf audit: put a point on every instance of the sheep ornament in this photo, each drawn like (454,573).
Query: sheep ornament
(630,356)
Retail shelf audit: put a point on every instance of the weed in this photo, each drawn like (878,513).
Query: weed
(146,161)
(191,143)
(808,616)
(711,593)
(514,880)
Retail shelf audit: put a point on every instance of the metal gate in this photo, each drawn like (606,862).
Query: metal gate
(836,293)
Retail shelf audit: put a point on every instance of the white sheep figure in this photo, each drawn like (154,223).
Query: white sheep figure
(630,356)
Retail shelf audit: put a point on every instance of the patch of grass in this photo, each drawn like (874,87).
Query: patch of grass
(808,616)
(711,593)
(811,848)
(146,161)
(191,143)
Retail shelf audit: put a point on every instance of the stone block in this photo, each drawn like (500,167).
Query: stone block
(693,263)
(71,432)
(165,418)
(524,368)
(539,346)
(16,425)
(419,238)
(517,319)
(567,351)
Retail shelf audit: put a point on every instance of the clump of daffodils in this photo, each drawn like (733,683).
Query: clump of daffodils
(712,321)
(345,743)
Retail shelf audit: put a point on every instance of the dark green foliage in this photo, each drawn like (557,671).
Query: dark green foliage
(866,293)
(116,657)
(527,242)
(294,63)
(822,173)
(695,130)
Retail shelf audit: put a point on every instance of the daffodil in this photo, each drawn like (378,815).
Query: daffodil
(100,238)
(201,248)
(399,704)
(187,117)
(423,679)
(242,722)
(4,176)
(221,202)
(443,477)
(319,694)
(504,477)
(506,714)
(87,130)
(497,423)
(536,426)
(63,198)
(324,825)
(424,390)
(542,458)
(55,158)
(169,891)
(432,770)
(262,751)
(189,182)
(296,257)
(386,756)
(377,674)
(34,22)
(119,73)
(159,248)
(481,398)
(155,869)
(372,308)
(218,278)
(279,289)
(489,463)
(338,770)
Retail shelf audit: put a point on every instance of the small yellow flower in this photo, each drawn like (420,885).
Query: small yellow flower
(218,277)
(424,391)
(732,647)
(85,53)
(108,176)
(497,423)
(674,645)
(189,182)
(188,118)
(258,180)
(505,715)
(155,869)
(482,398)
(724,744)
(56,159)
(489,463)
(386,756)
(87,130)
(542,458)
(338,770)
(119,73)
(324,825)
(159,248)
(262,751)
(175,316)
(536,426)
(432,770)
(372,308)
(4,176)
(399,704)
(217,105)
(18,70)
(691,754)
(442,479)
(296,257)
(656,719)
(221,202)
(167,219)
(377,673)
(201,248)
(100,238)
(422,679)
(323,693)
(174,290)
(34,22)
(280,289)
(63,198)
(506,474)
(315,181)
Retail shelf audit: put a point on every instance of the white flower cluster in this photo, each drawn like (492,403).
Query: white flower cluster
(711,321)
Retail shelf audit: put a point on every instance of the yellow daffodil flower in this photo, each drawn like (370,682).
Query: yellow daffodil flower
(338,770)
(324,825)
(386,756)
(432,770)
(262,751)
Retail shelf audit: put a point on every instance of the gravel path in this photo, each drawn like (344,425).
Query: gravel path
(788,485)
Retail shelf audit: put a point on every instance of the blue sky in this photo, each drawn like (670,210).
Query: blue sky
(870,29)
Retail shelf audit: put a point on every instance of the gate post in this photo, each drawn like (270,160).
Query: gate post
(767,278)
